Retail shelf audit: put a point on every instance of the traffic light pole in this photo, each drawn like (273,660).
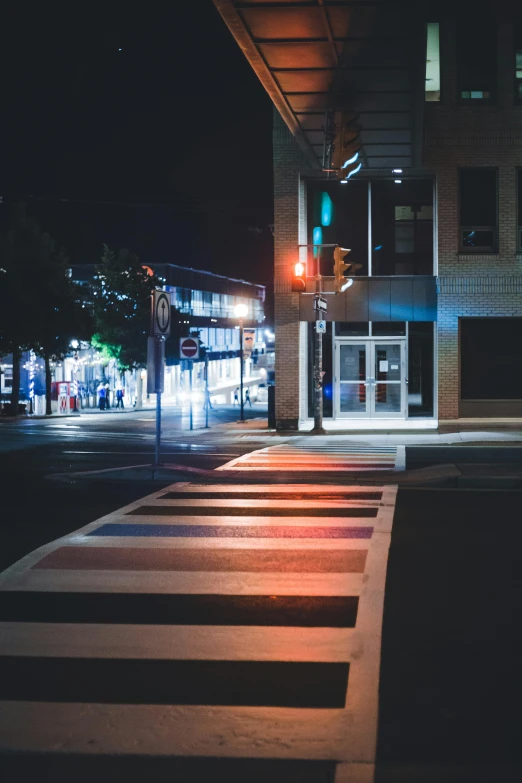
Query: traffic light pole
(318,365)
(241,370)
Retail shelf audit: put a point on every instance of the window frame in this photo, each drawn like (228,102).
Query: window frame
(517,40)
(518,202)
(493,99)
(464,249)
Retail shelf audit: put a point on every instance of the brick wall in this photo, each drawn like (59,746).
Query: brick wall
(457,136)
(289,231)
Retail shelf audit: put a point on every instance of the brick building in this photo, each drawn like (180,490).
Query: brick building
(428,97)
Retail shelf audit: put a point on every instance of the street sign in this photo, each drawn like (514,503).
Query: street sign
(188,348)
(161,313)
(320,327)
(320,304)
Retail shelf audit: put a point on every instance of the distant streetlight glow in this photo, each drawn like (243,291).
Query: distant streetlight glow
(241,310)
(397,181)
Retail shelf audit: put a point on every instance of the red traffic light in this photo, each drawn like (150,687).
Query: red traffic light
(298,278)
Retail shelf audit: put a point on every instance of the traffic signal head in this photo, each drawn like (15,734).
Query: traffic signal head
(340,267)
(298,277)
(346,145)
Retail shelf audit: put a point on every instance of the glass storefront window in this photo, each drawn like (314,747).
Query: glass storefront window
(344,222)
(388,328)
(420,369)
(352,328)
(402,227)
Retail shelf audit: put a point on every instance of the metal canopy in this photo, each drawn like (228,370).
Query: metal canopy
(367,58)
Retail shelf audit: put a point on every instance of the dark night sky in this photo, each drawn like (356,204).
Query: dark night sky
(176,118)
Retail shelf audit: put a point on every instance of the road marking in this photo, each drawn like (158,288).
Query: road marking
(322,457)
(233,620)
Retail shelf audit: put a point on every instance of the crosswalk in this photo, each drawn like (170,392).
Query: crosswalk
(318,455)
(215,625)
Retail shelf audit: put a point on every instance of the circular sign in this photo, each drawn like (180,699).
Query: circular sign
(189,348)
(162,314)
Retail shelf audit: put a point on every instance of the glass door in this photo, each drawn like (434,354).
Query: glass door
(370,379)
(387,381)
(352,387)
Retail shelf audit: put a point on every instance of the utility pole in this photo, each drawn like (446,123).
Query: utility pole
(160,330)
(318,358)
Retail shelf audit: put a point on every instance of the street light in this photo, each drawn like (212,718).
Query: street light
(241,310)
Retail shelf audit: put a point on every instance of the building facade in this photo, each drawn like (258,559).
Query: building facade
(398,135)
(206,304)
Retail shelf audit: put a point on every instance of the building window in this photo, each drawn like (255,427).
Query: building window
(519,209)
(478,210)
(420,369)
(477,61)
(432,88)
(518,63)
(337,214)
(491,360)
(402,227)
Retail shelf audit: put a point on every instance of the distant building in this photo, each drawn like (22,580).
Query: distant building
(206,301)
(398,135)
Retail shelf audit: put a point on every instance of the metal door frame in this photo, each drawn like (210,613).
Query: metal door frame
(370,383)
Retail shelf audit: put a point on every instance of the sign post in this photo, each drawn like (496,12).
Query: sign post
(207,394)
(156,357)
(189,349)
(320,307)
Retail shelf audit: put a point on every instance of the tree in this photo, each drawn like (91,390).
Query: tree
(122,311)
(121,308)
(39,305)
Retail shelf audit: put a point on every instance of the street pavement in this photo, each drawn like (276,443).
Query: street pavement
(449,688)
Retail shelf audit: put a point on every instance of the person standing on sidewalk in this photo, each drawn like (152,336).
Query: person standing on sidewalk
(101,397)
(247,397)
(119,397)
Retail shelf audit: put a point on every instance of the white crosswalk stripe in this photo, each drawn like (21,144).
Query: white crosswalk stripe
(204,620)
(313,456)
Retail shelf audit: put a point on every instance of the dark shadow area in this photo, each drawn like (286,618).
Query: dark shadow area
(450,674)
(106,769)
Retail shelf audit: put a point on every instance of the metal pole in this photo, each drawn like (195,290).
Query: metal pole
(157,372)
(318,364)
(190,396)
(207,395)
(242,413)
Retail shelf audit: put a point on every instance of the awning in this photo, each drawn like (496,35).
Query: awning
(322,56)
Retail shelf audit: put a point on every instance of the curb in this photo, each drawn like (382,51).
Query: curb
(429,475)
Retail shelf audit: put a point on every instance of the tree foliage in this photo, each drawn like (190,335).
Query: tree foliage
(40,307)
(121,308)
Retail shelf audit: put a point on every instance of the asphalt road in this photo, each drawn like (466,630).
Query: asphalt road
(35,510)
(450,672)
(450,682)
